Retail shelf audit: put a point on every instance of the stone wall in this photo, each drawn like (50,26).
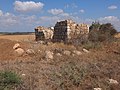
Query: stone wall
(42,33)
(63,31)
(67,30)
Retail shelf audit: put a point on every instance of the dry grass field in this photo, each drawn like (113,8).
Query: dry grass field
(18,37)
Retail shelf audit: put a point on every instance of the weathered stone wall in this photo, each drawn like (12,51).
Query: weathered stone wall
(60,31)
(42,33)
(66,30)
(63,31)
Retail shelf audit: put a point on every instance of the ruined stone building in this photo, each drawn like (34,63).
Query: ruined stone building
(42,33)
(67,30)
(63,31)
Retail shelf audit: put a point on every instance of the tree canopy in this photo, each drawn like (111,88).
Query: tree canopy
(101,32)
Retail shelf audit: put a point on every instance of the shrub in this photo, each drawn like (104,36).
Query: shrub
(93,36)
(69,76)
(101,32)
(9,80)
(92,45)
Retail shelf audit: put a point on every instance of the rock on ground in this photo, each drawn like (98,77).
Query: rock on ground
(85,50)
(66,52)
(58,54)
(97,89)
(19,51)
(30,51)
(48,55)
(112,81)
(16,46)
(77,52)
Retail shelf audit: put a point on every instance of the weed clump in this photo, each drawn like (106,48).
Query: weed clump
(9,80)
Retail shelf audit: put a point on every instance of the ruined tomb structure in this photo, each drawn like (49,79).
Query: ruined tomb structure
(42,33)
(67,30)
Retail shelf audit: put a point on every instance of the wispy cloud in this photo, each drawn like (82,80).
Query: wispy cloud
(82,11)
(72,5)
(10,22)
(59,12)
(56,11)
(112,7)
(67,6)
(27,6)
(1,13)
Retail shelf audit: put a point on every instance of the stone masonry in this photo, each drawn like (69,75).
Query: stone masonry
(42,33)
(67,30)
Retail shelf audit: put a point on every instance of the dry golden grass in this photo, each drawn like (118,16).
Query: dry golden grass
(18,37)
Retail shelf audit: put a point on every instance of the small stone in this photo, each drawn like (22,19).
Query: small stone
(19,51)
(85,50)
(112,81)
(66,52)
(41,42)
(97,89)
(49,55)
(16,46)
(77,52)
(58,54)
(30,51)
(23,74)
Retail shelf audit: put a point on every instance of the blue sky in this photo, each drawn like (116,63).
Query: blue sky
(25,15)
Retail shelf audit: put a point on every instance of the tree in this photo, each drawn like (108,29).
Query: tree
(95,26)
(101,32)
(94,31)
(107,28)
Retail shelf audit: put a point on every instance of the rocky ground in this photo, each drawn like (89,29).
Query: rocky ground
(55,66)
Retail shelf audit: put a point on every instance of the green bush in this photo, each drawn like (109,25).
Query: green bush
(92,45)
(9,80)
(101,32)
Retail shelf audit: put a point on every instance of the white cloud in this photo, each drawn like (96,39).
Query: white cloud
(8,21)
(27,6)
(81,11)
(48,20)
(111,19)
(115,21)
(112,7)
(56,11)
(11,22)
(1,13)
(64,14)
